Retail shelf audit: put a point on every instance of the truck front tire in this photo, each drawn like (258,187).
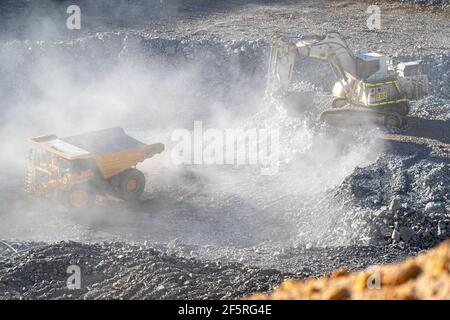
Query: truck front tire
(129,184)
(79,198)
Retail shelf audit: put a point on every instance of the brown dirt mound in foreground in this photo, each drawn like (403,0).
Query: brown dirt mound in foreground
(426,276)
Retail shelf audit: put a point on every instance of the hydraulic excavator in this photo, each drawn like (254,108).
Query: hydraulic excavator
(369,87)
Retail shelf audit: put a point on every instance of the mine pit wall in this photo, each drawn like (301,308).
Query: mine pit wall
(192,80)
(223,72)
(226,68)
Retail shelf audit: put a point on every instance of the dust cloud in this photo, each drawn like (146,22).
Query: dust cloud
(151,87)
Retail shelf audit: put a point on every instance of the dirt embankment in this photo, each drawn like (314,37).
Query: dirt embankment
(426,276)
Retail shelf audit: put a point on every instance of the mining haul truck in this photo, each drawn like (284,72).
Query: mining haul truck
(75,169)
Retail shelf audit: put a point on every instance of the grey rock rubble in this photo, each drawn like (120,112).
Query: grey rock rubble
(126,271)
(398,199)
(123,271)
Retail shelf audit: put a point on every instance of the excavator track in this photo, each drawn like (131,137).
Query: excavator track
(355,117)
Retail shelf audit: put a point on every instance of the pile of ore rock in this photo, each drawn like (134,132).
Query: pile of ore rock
(125,271)
(402,197)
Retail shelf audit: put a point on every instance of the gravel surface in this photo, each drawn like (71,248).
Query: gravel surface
(125,271)
(348,197)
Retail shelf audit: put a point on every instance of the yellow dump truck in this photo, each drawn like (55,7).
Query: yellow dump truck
(76,169)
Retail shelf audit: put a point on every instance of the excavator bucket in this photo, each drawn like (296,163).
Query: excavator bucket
(297,103)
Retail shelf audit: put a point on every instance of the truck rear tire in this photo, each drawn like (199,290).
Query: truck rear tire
(130,184)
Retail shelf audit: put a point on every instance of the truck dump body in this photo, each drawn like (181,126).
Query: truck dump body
(104,142)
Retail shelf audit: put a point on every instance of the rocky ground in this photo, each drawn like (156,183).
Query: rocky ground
(155,271)
(342,197)
(122,271)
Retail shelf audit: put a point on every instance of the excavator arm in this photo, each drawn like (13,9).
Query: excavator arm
(286,51)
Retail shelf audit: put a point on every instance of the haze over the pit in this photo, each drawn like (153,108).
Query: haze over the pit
(121,78)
